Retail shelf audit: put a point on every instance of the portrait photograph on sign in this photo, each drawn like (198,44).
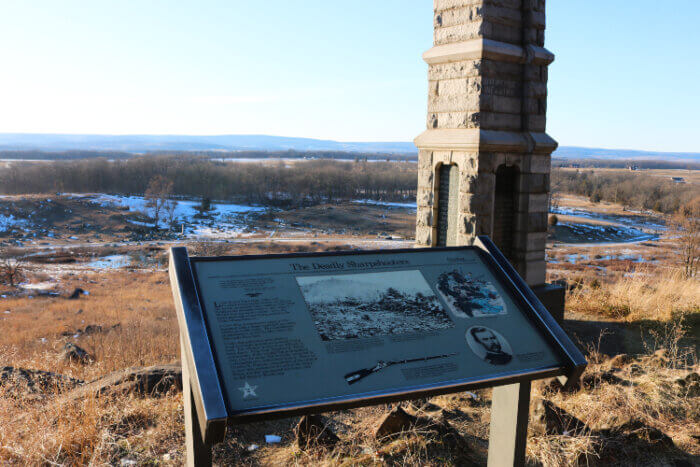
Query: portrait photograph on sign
(489,345)
(351,306)
(469,297)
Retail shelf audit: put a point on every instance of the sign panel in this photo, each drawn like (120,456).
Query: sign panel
(302,330)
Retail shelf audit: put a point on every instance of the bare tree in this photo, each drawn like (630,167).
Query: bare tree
(686,227)
(170,208)
(12,268)
(157,195)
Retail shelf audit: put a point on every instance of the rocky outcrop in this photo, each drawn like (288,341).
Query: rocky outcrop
(152,381)
(23,381)
(75,354)
(313,431)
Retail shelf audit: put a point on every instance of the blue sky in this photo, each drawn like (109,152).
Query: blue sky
(625,76)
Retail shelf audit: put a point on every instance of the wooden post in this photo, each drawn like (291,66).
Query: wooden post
(510,410)
(198,453)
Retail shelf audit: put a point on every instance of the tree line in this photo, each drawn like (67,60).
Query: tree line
(634,190)
(275,183)
(294,154)
(62,155)
(625,163)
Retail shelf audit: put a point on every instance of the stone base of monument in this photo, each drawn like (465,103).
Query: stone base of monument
(553,297)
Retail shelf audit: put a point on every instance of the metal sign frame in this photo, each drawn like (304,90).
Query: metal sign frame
(208,413)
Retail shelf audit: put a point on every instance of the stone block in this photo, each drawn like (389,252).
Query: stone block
(467,182)
(535,123)
(533,183)
(528,256)
(463,69)
(495,29)
(501,70)
(458,33)
(531,222)
(523,240)
(456,16)
(424,197)
(475,204)
(425,179)
(424,216)
(553,297)
(498,86)
(496,121)
(450,120)
(537,89)
(424,236)
(425,159)
(490,161)
(454,103)
(538,164)
(468,225)
(484,224)
(466,161)
(485,184)
(500,104)
(535,273)
(529,202)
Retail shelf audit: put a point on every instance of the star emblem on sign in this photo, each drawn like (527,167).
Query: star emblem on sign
(248,390)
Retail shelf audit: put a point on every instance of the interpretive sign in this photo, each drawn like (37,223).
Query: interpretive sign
(287,334)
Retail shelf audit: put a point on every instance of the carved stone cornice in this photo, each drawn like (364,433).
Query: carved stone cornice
(489,49)
(485,140)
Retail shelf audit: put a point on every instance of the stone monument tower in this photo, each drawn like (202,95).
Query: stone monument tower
(484,160)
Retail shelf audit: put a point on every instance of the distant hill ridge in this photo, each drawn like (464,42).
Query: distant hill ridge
(150,143)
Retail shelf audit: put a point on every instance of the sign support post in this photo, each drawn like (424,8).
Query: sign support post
(250,325)
(510,410)
(198,452)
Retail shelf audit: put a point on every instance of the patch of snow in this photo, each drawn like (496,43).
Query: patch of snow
(386,203)
(11,222)
(40,286)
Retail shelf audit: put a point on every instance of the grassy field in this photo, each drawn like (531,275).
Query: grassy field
(638,333)
(689,176)
(636,318)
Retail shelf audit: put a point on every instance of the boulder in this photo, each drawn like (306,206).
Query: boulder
(75,354)
(636,431)
(149,381)
(313,430)
(92,329)
(549,419)
(593,380)
(620,360)
(77,292)
(690,385)
(394,423)
(25,381)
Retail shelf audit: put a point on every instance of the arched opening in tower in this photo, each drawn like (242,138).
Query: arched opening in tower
(447,203)
(504,208)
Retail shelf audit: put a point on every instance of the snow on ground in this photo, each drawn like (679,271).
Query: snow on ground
(590,234)
(224,220)
(637,221)
(11,222)
(386,203)
(110,262)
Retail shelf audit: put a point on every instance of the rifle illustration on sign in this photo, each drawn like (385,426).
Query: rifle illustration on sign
(358,375)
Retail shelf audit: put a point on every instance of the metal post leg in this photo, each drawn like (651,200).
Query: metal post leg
(510,409)
(198,453)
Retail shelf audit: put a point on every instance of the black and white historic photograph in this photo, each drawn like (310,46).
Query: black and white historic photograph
(352,306)
(469,297)
(489,345)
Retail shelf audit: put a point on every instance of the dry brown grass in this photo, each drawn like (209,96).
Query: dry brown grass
(643,295)
(47,430)
(40,429)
